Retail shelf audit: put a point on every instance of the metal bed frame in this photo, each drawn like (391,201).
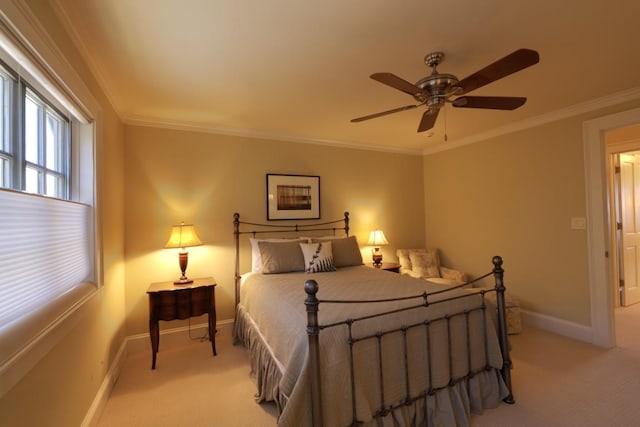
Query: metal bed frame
(422,301)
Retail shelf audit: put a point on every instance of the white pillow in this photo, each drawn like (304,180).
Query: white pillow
(256,257)
(318,257)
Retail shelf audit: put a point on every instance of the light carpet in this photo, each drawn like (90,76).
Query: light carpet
(557,382)
(189,388)
(562,382)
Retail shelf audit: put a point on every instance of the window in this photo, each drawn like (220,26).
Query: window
(46,142)
(6,83)
(36,141)
(49,265)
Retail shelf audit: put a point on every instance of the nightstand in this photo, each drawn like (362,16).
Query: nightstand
(170,302)
(387,266)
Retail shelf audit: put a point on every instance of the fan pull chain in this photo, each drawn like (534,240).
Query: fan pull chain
(445,123)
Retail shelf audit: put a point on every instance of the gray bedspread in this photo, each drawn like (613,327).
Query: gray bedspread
(271,321)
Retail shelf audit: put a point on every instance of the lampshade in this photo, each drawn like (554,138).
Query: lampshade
(183,236)
(376,238)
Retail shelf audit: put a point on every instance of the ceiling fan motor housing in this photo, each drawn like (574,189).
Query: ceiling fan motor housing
(436,88)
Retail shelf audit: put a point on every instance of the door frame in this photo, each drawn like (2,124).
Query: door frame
(599,240)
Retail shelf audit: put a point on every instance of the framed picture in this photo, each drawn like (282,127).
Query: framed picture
(293,197)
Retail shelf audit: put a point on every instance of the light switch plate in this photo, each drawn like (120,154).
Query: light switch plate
(578,223)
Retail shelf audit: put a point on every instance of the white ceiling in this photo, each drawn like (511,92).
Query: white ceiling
(300,70)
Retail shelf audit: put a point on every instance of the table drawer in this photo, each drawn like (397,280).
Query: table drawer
(181,304)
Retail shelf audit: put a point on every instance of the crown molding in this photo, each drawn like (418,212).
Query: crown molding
(574,110)
(84,52)
(248,133)
(44,51)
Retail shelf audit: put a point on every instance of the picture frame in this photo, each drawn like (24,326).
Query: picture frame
(293,197)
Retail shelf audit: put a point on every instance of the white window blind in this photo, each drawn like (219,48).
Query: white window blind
(46,250)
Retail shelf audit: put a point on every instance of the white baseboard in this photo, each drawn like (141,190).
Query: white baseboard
(100,400)
(141,342)
(175,336)
(557,326)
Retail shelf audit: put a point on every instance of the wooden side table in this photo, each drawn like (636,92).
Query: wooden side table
(170,302)
(387,266)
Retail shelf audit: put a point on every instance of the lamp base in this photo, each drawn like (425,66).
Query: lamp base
(183,258)
(377,260)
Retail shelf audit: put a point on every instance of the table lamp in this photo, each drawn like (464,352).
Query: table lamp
(183,236)
(377,239)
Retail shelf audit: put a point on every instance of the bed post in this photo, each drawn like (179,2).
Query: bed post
(498,273)
(236,233)
(346,223)
(313,330)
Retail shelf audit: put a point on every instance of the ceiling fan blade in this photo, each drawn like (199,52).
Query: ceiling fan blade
(492,102)
(384,113)
(397,83)
(428,119)
(516,61)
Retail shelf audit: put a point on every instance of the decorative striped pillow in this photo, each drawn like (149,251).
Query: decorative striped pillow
(318,257)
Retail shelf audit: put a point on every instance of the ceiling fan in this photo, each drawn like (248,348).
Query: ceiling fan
(438,88)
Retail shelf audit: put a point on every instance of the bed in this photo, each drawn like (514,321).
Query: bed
(354,345)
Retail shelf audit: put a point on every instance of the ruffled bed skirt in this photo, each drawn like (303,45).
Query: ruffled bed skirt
(449,407)
(263,366)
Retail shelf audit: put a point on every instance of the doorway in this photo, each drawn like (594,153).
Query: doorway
(599,240)
(623,156)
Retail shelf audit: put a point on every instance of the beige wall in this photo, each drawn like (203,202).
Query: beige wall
(60,388)
(174,176)
(515,196)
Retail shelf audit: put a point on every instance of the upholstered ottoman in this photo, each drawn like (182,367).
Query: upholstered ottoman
(512,308)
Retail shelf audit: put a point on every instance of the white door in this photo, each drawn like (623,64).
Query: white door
(630,209)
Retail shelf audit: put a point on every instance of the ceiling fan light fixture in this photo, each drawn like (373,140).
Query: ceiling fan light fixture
(437,88)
